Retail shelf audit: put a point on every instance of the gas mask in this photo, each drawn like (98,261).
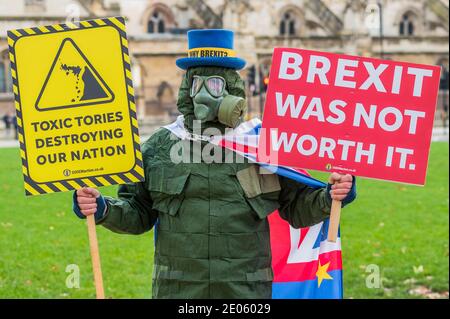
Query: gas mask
(213,102)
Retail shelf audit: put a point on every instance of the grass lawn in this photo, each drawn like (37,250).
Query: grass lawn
(403,230)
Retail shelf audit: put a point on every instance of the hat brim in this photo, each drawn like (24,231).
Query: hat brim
(230,62)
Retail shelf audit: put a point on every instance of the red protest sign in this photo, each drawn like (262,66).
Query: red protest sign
(363,116)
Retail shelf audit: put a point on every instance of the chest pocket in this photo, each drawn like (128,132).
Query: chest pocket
(166,186)
(261,189)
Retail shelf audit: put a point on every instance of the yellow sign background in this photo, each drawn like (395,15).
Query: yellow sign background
(104,45)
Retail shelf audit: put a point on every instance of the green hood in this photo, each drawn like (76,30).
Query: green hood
(235,86)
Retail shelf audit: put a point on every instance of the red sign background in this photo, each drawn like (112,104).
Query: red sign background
(396,142)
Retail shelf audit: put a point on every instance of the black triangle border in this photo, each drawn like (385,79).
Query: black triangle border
(91,67)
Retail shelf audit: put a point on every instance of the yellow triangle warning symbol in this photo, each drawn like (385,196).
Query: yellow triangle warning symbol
(72,81)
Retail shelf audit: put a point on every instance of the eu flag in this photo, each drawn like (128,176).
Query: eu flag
(305,264)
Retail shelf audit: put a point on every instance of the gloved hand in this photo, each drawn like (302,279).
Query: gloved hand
(88,201)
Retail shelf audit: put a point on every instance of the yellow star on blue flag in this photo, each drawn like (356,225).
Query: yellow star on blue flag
(322,273)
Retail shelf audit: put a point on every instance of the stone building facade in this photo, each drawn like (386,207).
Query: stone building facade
(413,31)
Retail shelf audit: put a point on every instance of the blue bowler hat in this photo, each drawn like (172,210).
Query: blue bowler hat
(211,47)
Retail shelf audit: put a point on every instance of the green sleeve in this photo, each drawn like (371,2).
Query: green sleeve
(301,205)
(131,212)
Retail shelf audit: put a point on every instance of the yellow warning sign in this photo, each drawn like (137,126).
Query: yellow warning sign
(82,83)
(75,106)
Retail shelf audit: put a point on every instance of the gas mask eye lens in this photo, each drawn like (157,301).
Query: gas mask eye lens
(215,86)
(196,85)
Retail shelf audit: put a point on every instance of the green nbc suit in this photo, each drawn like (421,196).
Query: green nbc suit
(213,236)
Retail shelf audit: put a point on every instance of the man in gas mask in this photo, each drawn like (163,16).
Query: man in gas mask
(212,231)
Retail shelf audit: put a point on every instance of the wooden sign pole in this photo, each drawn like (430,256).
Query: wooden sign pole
(335,215)
(95,256)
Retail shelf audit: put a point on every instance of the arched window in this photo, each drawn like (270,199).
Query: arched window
(2,78)
(444,81)
(5,76)
(165,95)
(288,24)
(406,26)
(156,23)
(158,18)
